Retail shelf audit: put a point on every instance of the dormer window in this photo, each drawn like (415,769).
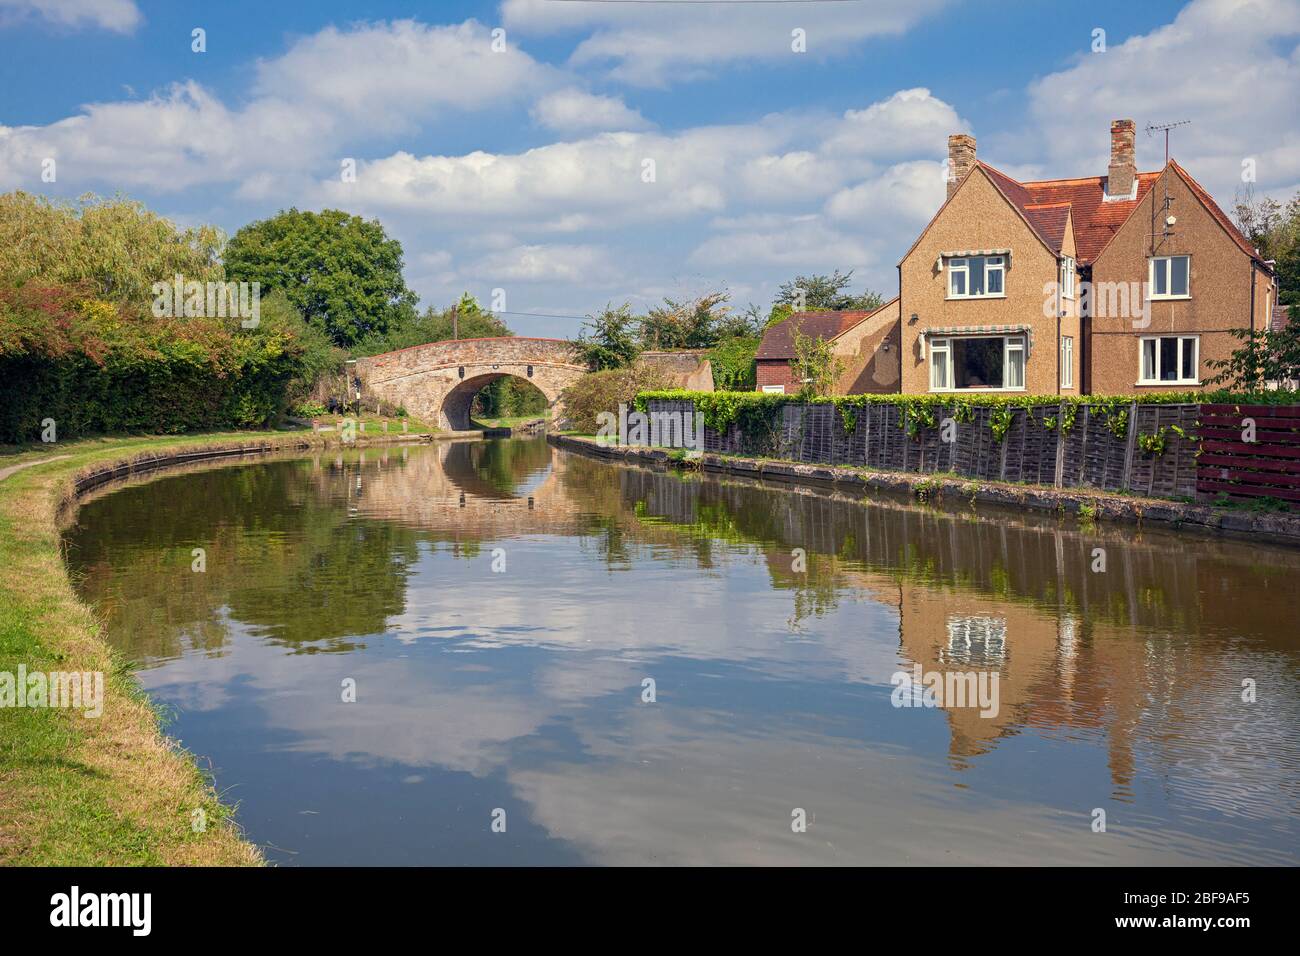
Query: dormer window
(977,277)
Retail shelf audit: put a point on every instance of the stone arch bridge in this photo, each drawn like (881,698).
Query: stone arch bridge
(437,382)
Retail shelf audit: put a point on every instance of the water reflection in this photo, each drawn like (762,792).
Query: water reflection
(771,621)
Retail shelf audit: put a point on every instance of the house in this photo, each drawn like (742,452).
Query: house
(1121,283)
(866,342)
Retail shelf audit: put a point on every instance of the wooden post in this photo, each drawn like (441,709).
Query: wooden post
(1082,478)
(1130,444)
(1060,446)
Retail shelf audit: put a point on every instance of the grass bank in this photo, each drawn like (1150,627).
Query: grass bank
(110,790)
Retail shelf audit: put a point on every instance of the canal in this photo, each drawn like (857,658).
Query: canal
(502,653)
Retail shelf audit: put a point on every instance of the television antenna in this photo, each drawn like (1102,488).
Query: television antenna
(1153,128)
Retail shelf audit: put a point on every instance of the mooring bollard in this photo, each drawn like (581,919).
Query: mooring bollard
(385,424)
(315,425)
(403,426)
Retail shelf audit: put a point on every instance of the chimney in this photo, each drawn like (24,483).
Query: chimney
(1123,169)
(961,159)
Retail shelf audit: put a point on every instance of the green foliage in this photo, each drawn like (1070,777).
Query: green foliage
(608,339)
(341,272)
(112,249)
(754,412)
(733,363)
(604,391)
(467,319)
(698,324)
(1264,358)
(95,366)
(815,366)
(1153,444)
(819,292)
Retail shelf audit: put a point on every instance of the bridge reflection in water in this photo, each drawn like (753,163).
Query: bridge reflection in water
(1119,688)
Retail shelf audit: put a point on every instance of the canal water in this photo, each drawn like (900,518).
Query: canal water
(557,660)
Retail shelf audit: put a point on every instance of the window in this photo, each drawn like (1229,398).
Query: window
(983,362)
(1170,360)
(1171,277)
(1067,362)
(774,389)
(977,277)
(1067,278)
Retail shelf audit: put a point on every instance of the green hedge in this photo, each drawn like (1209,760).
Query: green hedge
(96,367)
(753,409)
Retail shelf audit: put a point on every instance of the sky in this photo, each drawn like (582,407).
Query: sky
(553,156)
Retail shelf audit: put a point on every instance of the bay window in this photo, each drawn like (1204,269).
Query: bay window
(963,363)
(1170,360)
(1170,277)
(977,277)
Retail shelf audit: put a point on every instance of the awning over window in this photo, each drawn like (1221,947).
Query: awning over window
(950,331)
(968,253)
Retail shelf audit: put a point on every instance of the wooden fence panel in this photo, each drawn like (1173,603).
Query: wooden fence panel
(1267,467)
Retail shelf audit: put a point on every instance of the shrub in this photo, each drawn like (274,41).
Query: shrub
(604,391)
(95,366)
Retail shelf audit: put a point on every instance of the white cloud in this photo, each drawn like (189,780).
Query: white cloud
(907,194)
(1230,66)
(655,44)
(572,110)
(545,263)
(388,76)
(327,89)
(909,123)
(121,16)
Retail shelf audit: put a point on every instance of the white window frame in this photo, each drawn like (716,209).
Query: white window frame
(1069,276)
(961,264)
(773,389)
(1155,365)
(1067,361)
(1013,342)
(1166,265)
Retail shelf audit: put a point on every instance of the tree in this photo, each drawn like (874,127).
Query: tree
(815,365)
(697,324)
(1266,359)
(342,272)
(1275,231)
(817,292)
(115,249)
(608,338)
(435,325)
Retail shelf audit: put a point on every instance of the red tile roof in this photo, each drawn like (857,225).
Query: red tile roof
(1045,204)
(778,341)
(1095,219)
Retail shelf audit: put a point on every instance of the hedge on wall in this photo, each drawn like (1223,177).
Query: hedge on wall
(94,366)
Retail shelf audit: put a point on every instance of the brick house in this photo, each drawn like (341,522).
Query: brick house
(1106,284)
(865,342)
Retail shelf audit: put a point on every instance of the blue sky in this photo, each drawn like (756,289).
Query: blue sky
(522,169)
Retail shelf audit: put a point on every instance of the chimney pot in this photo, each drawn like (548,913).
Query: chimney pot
(1122,174)
(961,159)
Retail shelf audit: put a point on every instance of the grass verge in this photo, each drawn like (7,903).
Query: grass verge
(111,790)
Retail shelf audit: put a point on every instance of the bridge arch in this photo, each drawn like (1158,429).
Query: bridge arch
(437,382)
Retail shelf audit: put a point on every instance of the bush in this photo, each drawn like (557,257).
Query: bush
(94,366)
(604,391)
